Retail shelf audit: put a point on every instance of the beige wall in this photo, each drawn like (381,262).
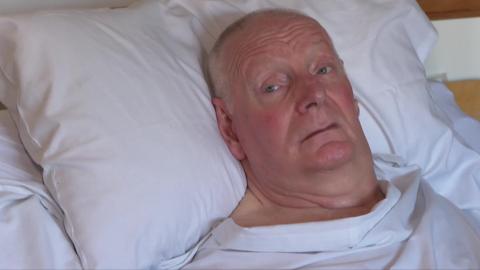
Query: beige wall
(457,53)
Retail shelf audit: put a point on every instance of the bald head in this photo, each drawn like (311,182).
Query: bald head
(217,67)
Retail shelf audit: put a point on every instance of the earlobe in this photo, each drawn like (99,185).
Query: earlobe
(357,107)
(225,126)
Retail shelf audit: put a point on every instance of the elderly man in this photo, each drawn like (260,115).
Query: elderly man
(286,110)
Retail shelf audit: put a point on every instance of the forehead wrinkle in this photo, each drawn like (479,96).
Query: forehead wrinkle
(240,62)
(286,34)
(244,52)
(292,35)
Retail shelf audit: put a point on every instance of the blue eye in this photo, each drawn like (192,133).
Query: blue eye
(324,70)
(271,88)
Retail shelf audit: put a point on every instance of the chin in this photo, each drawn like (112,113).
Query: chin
(333,155)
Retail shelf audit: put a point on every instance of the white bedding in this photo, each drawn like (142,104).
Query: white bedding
(120,106)
(32,234)
(412,228)
(21,6)
(465,127)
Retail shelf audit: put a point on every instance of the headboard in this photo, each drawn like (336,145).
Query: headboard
(450,9)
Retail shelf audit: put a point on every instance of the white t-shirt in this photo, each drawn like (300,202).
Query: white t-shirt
(412,228)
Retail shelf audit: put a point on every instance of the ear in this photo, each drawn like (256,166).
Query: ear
(357,108)
(225,126)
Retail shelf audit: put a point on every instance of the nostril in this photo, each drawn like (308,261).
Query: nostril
(312,97)
(311,104)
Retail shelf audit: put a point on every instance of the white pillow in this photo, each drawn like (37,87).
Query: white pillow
(384,45)
(113,105)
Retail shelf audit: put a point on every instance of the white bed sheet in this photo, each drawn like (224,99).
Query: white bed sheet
(466,128)
(31,226)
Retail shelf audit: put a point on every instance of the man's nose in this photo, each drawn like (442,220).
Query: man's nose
(311,96)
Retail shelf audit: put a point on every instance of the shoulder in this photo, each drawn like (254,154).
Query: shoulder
(447,229)
(438,206)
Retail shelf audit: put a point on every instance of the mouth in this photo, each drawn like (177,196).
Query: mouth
(318,131)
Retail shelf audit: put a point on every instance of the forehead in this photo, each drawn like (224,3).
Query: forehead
(276,35)
(283,27)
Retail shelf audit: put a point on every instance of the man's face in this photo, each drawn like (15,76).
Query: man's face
(291,105)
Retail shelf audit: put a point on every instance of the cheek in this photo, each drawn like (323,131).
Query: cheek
(266,127)
(269,120)
(344,98)
(266,124)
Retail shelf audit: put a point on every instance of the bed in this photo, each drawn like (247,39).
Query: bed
(110,156)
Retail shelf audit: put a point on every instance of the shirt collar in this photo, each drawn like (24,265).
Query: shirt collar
(389,221)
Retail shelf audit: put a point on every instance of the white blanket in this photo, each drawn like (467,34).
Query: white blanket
(31,224)
(412,228)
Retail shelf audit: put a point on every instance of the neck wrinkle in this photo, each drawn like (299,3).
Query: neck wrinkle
(256,209)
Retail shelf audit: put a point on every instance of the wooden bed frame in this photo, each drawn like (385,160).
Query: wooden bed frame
(450,9)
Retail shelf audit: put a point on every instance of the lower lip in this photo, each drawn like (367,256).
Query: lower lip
(323,137)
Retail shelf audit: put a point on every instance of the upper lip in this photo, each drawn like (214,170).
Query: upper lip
(319,130)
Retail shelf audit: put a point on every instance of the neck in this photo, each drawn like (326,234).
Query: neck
(255,210)
(260,209)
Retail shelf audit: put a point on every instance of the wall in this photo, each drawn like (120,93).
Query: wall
(457,53)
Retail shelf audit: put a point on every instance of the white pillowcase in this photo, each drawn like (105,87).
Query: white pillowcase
(383,44)
(113,105)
